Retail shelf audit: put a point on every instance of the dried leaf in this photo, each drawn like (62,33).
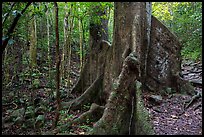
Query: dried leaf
(174,116)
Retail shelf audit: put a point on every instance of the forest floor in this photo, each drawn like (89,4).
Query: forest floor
(168,117)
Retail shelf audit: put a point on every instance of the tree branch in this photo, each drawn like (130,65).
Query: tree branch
(13,25)
(8,14)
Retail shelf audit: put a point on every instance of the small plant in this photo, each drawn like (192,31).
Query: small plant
(85,107)
(36,83)
(86,127)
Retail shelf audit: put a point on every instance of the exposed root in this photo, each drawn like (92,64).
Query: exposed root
(116,116)
(192,100)
(89,96)
(94,114)
(79,86)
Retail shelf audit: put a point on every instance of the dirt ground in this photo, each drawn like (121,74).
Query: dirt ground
(168,117)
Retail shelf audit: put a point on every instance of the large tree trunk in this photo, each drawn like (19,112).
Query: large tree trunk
(129,37)
(141,46)
(96,58)
(164,61)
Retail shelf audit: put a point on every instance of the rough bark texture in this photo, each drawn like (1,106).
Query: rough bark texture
(129,26)
(142,50)
(164,60)
(33,43)
(119,79)
(96,58)
(57,66)
(91,94)
(117,114)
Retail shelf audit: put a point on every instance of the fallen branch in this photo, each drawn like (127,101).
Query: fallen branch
(192,100)
(199,105)
(12,103)
(196,83)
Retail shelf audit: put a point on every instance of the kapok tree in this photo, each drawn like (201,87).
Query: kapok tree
(143,50)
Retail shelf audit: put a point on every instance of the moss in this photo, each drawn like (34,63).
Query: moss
(167,91)
(187,88)
(113,94)
(143,123)
(115,128)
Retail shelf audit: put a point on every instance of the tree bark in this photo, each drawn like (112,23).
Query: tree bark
(116,118)
(143,50)
(80,43)
(48,44)
(57,66)
(65,47)
(119,79)
(96,58)
(33,43)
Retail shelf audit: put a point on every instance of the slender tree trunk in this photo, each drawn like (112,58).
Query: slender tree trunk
(69,35)
(33,43)
(80,44)
(6,69)
(65,47)
(83,41)
(57,67)
(33,53)
(48,45)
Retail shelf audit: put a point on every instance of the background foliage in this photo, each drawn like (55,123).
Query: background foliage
(21,83)
(185,20)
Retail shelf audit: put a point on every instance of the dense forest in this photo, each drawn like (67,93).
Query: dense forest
(86,68)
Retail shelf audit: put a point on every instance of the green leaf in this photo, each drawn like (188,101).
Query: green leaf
(15,13)
(4,37)
(40,118)
(18,120)
(34,74)
(36,83)
(11,42)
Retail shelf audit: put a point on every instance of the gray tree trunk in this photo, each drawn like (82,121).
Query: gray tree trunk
(143,50)
(126,56)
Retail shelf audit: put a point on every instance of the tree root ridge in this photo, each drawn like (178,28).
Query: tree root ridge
(89,96)
(117,113)
(93,114)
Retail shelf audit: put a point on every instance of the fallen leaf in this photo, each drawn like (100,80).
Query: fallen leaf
(81,133)
(174,116)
